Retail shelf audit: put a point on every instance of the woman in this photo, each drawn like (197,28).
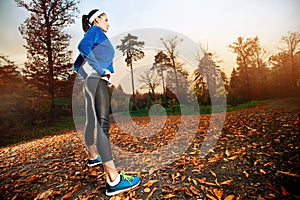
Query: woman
(96,49)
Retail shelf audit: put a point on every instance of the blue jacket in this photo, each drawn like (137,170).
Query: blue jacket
(96,49)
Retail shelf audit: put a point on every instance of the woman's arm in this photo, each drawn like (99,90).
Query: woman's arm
(86,45)
(77,66)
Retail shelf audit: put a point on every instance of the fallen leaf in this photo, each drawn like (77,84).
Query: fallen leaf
(233,157)
(289,173)
(151,193)
(227,182)
(169,196)
(150,183)
(69,194)
(246,174)
(187,192)
(230,197)
(262,171)
(268,164)
(213,173)
(195,182)
(227,153)
(210,197)
(284,191)
(31,179)
(203,181)
(44,195)
(93,173)
(218,193)
(195,190)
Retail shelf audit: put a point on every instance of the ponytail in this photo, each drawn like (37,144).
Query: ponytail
(86,24)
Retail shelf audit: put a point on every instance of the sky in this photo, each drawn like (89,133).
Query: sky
(213,23)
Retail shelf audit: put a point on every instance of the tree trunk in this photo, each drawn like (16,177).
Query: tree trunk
(51,73)
(132,84)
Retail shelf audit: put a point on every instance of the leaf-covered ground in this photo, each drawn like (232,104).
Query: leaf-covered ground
(257,156)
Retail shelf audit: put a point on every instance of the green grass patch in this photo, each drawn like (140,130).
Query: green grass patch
(189,110)
(246,105)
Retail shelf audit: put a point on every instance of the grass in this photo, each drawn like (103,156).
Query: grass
(189,110)
(246,105)
(23,134)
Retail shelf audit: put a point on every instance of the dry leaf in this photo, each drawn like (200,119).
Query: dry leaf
(93,173)
(210,196)
(268,164)
(151,171)
(44,195)
(203,181)
(227,182)
(289,173)
(151,193)
(195,182)
(218,193)
(169,196)
(195,190)
(31,179)
(213,173)
(187,192)
(233,157)
(147,190)
(246,174)
(150,183)
(262,171)
(227,153)
(69,194)
(284,191)
(230,197)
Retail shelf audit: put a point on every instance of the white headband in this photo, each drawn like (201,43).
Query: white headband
(94,16)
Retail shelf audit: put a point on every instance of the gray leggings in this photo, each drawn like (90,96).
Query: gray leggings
(97,115)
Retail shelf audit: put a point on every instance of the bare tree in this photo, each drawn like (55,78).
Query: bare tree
(177,82)
(151,80)
(170,45)
(292,41)
(48,59)
(161,64)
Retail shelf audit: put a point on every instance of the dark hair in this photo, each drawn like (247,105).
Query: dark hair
(85,20)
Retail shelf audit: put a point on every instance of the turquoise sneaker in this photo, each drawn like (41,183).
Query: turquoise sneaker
(95,162)
(126,183)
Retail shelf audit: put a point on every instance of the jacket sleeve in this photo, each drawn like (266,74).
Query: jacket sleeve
(77,66)
(86,46)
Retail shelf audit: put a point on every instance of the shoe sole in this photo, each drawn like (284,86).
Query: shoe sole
(91,165)
(120,191)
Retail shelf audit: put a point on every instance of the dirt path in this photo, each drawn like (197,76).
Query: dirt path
(256,157)
(289,104)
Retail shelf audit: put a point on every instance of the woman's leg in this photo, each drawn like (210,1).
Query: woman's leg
(116,182)
(89,123)
(102,104)
(98,89)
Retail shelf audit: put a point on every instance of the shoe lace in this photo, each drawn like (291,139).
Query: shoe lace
(126,177)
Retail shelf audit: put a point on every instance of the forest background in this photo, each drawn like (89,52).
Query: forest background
(38,94)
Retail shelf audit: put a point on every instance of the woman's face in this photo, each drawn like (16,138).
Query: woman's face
(102,22)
